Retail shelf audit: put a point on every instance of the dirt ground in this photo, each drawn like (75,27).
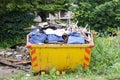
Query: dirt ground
(6,71)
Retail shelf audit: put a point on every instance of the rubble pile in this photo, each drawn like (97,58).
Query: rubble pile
(56,33)
(18,58)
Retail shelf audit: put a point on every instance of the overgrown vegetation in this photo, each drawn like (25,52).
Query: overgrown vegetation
(105,55)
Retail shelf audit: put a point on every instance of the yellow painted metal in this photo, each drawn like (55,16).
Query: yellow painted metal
(42,73)
(57,73)
(60,56)
(63,72)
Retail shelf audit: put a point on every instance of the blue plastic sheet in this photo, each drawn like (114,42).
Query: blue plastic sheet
(37,37)
(75,38)
(53,37)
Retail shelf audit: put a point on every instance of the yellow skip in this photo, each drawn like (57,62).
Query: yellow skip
(63,72)
(57,73)
(42,73)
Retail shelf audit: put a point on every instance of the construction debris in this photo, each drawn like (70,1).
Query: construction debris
(46,33)
(21,67)
(18,58)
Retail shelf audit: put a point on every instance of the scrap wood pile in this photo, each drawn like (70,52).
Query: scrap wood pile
(17,58)
(59,33)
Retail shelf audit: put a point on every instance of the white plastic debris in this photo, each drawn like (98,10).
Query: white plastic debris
(49,31)
(19,57)
(58,32)
(9,53)
(15,52)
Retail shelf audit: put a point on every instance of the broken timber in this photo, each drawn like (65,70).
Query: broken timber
(20,67)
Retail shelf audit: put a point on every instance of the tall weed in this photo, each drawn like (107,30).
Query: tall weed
(105,55)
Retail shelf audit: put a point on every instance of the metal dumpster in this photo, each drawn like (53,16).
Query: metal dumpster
(61,56)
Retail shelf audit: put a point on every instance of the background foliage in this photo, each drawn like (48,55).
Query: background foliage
(100,15)
(17,14)
(12,27)
(40,6)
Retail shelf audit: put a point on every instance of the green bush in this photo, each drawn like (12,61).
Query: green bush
(99,15)
(12,26)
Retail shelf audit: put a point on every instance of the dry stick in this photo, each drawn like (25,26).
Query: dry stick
(22,62)
(13,65)
(83,33)
(8,59)
(16,61)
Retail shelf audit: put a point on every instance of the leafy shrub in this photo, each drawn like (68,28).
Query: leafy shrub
(12,26)
(98,14)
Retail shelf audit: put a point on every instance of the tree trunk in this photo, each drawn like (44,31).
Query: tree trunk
(43,16)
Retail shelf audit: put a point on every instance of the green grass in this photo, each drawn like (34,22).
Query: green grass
(105,64)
